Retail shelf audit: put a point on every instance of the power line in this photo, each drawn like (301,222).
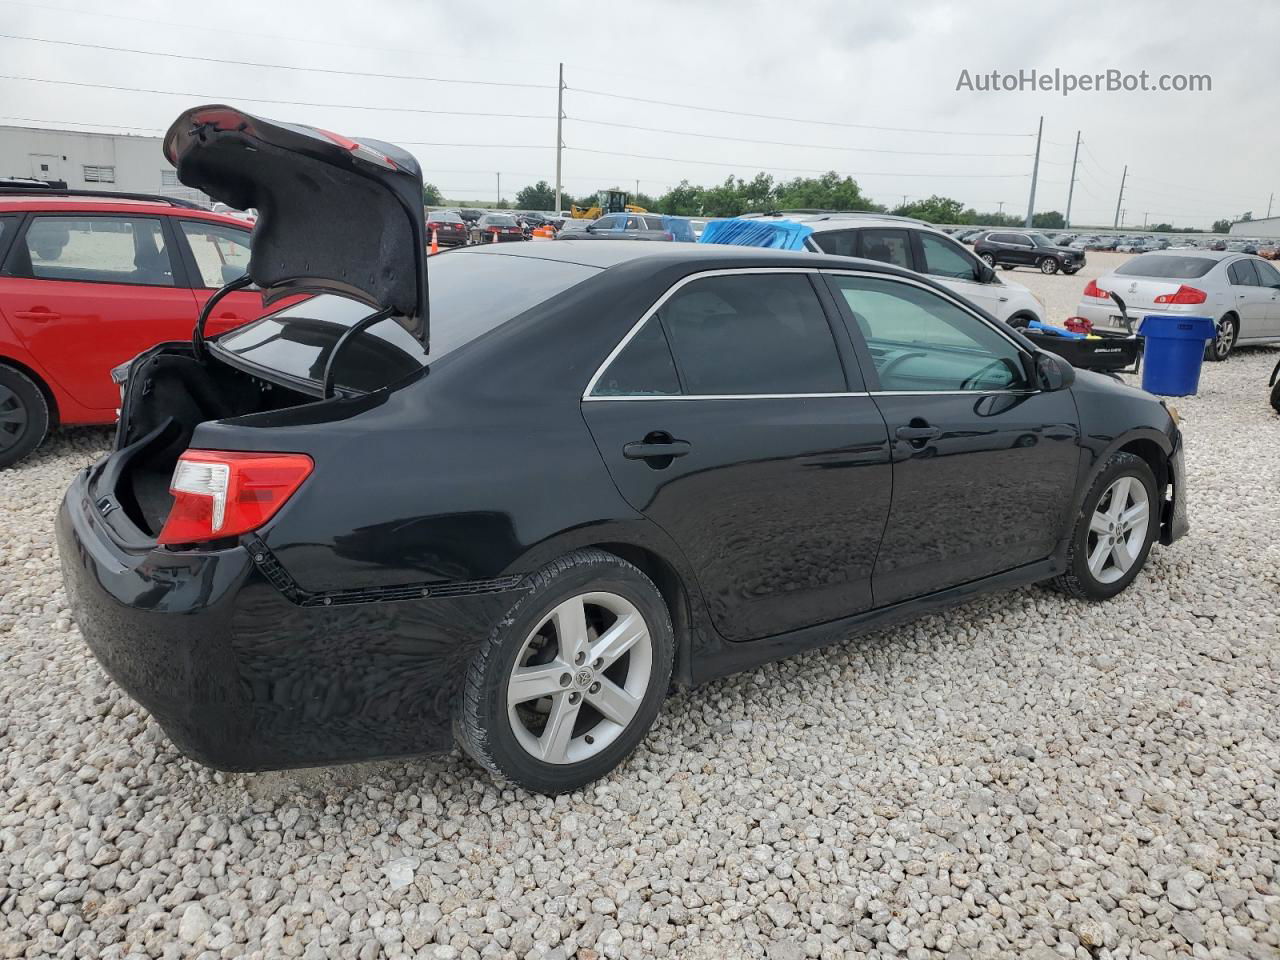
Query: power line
(785,143)
(291,103)
(83,123)
(734,163)
(768,116)
(278,66)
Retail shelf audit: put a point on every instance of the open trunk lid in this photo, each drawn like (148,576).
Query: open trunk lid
(335,215)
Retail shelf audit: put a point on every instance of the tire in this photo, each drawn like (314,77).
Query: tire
(1219,348)
(1070,272)
(24,416)
(989,260)
(1020,320)
(1048,266)
(1275,389)
(1088,579)
(516,739)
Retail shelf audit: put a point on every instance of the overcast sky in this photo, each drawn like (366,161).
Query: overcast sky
(1193,157)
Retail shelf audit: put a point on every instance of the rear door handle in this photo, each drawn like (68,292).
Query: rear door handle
(638,450)
(39,316)
(916,434)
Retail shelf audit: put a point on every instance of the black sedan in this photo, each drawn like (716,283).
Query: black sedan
(514,511)
(1027,248)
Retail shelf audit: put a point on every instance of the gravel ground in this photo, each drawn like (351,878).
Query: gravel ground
(1025,776)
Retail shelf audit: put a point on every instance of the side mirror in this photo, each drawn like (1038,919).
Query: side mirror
(985,273)
(1053,372)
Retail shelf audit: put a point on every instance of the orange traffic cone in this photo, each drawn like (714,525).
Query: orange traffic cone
(435,241)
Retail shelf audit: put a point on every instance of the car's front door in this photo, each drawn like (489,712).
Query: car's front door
(735,421)
(957,269)
(1021,250)
(88,292)
(1269,279)
(1252,302)
(984,465)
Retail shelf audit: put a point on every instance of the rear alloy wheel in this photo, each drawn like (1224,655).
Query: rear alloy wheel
(1048,266)
(571,680)
(24,416)
(1224,341)
(989,260)
(1114,531)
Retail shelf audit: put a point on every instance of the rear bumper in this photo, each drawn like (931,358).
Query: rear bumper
(241,677)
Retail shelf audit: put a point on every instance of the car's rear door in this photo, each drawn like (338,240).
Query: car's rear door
(86,292)
(984,465)
(215,254)
(735,420)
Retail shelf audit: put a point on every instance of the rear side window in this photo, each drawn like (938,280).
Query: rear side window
(221,253)
(1242,274)
(1166,266)
(643,368)
(839,243)
(99,250)
(887,246)
(752,334)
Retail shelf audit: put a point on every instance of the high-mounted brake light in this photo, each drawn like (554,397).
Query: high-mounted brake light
(1183,294)
(222,493)
(1093,290)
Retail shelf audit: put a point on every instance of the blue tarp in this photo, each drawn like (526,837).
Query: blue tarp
(775,234)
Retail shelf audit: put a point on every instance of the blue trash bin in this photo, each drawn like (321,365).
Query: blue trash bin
(1173,353)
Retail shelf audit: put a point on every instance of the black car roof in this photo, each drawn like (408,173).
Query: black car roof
(612,253)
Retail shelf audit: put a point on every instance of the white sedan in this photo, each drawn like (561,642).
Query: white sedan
(1240,293)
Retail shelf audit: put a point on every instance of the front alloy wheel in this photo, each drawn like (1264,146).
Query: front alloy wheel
(572,677)
(1114,530)
(1048,266)
(989,260)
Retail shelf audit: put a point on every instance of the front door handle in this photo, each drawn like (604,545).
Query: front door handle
(918,434)
(39,316)
(641,450)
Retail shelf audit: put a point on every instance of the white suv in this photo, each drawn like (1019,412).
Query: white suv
(915,245)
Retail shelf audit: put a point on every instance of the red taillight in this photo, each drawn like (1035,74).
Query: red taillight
(1093,290)
(221,493)
(1183,294)
(433,225)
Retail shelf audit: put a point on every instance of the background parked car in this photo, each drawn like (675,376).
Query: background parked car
(448,227)
(500,226)
(1241,293)
(647,226)
(88,282)
(1011,249)
(914,245)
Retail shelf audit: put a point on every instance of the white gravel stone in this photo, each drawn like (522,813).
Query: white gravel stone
(1022,776)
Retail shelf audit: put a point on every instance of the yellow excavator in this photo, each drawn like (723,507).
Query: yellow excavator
(607,201)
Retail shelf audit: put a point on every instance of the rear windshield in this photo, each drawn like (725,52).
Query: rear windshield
(1165,266)
(500,220)
(470,294)
(444,216)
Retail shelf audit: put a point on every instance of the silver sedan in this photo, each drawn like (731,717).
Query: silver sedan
(1240,293)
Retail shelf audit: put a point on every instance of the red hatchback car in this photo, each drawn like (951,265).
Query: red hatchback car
(89,281)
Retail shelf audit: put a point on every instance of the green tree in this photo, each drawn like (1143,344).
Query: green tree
(1221,226)
(827,192)
(431,195)
(1049,220)
(936,209)
(683,200)
(539,196)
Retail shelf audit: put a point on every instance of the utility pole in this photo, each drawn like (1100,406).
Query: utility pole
(1122,213)
(1000,205)
(637,193)
(1035,174)
(1145,214)
(1071,185)
(499,189)
(1269,199)
(1124,176)
(559,134)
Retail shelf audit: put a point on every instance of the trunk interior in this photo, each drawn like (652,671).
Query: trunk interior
(169,393)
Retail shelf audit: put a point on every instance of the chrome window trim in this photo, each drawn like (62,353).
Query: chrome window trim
(588,396)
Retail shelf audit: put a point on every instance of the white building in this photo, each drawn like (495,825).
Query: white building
(1267,227)
(91,161)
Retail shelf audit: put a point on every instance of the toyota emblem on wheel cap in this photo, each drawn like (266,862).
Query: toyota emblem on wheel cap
(584,677)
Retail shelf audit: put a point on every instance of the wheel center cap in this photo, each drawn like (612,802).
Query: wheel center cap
(584,677)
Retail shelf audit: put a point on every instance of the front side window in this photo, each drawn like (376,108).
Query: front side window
(944,258)
(887,246)
(99,250)
(1268,276)
(222,253)
(840,243)
(644,368)
(752,334)
(920,341)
